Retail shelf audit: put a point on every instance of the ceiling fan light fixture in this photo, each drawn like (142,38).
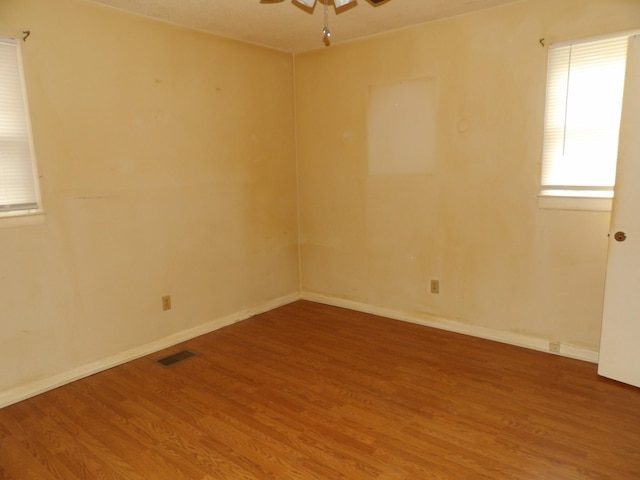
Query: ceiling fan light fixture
(337,5)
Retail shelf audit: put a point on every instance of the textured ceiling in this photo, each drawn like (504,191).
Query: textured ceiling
(286,26)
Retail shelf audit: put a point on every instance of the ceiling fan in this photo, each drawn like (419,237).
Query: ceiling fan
(310,4)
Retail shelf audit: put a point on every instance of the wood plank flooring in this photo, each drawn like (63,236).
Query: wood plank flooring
(315,392)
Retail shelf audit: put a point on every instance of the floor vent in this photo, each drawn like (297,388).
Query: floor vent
(171,360)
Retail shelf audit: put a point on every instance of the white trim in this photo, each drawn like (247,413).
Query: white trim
(511,338)
(32,148)
(37,387)
(587,204)
(597,38)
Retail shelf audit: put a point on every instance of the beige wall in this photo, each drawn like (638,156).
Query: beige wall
(504,264)
(167,159)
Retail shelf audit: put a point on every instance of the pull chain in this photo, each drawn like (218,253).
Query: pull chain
(326,33)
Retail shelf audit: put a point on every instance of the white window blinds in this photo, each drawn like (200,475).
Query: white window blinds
(585,83)
(18,184)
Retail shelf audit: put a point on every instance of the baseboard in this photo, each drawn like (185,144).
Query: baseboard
(40,386)
(510,338)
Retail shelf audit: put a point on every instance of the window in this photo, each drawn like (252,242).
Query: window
(585,84)
(18,181)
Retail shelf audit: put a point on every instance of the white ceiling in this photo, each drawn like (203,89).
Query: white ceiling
(288,27)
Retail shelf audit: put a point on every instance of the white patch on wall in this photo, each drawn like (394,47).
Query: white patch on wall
(402,127)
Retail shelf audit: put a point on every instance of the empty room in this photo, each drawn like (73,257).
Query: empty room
(298,239)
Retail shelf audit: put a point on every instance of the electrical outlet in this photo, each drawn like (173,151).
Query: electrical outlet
(554,347)
(435,286)
(166,302)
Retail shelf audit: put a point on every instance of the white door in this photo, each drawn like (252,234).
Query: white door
(620,340)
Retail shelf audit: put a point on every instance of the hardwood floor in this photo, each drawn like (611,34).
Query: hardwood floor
(314,392)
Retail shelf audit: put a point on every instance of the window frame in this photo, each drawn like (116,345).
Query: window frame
(574,201)
(10,217)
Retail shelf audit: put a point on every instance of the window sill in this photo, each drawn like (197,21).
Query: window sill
(586,204)
(21,220)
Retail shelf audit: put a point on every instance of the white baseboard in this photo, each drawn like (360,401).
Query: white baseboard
(40,386)
(517,339)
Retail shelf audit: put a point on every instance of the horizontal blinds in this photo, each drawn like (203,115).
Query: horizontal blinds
(17,180)
(585,85)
